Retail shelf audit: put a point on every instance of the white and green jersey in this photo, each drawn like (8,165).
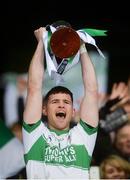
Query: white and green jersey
(53,154)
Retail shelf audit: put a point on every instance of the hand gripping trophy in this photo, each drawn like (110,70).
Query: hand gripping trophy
(62,44)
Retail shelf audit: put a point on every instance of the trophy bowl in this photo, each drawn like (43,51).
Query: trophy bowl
(65,42)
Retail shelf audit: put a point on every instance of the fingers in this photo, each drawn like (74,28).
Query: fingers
(39,33)
(119,90)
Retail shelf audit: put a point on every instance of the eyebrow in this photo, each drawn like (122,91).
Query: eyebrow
(56,99)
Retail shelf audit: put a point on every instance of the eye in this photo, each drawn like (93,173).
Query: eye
(67,102)
(54,101)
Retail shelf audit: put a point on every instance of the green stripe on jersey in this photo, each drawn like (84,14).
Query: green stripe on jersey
(29,128)
(36,152)
(73,155)
(89,129)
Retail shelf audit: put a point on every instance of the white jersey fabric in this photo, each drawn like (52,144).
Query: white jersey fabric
(53,154)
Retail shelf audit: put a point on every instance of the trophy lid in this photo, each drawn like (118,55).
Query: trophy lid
(65,42)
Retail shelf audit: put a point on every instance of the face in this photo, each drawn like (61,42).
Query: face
(112,172)
(123,140)
(59,111)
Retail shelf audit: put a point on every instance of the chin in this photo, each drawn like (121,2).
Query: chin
(62,127)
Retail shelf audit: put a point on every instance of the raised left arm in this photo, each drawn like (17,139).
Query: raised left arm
(89,111)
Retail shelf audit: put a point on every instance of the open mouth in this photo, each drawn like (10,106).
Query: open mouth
(61,114)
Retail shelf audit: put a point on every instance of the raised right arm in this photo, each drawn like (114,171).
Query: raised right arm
(33,107)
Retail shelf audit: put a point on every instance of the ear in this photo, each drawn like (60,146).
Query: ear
(44,111)
(73,113)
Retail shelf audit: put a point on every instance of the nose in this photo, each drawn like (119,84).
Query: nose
(61,104)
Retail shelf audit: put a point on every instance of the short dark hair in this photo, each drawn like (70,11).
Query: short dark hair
(61,23)
(56,90)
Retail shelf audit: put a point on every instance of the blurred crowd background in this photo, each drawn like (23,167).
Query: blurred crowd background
(111,158)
